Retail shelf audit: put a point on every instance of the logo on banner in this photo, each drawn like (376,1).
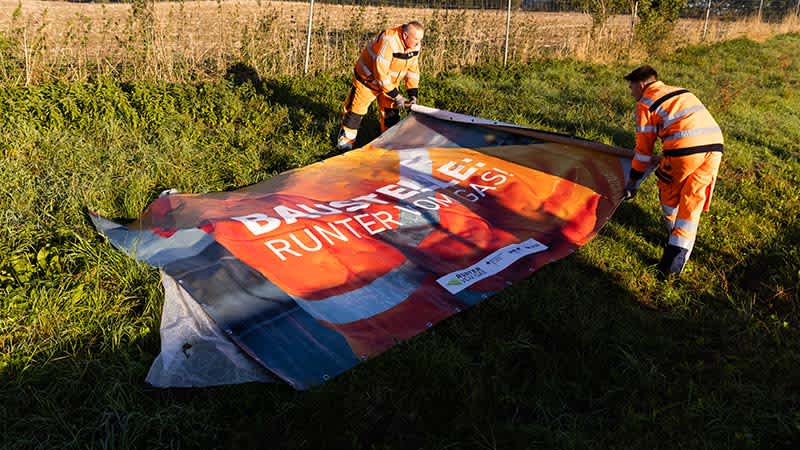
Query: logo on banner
(459,280)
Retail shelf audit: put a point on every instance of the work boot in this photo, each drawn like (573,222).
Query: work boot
(673,260)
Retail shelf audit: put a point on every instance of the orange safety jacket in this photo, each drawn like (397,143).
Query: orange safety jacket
(385,61)
(677,117)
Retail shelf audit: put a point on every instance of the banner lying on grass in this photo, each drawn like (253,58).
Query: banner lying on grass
(319,268)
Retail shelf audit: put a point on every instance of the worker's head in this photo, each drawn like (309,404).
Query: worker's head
(639,79)
(412,34)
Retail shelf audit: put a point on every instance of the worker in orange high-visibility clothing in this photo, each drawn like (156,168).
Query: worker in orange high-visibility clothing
(692,150)
(391,56)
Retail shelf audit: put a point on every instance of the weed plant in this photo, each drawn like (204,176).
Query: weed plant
(590,352)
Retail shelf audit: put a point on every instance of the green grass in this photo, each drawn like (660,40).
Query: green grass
(591,352)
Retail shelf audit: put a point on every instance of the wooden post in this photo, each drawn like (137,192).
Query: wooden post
(308,36)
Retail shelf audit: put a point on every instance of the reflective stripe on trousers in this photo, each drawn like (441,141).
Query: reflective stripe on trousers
(688,195)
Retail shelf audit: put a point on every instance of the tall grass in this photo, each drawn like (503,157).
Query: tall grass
(591,352)
(200,40)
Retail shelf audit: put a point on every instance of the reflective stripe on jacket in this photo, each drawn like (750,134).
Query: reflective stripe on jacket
(677,117)
(385,61)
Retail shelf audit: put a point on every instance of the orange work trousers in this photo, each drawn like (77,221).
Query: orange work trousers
(358,101)
(685,186)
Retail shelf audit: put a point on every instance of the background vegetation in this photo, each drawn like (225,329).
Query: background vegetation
(191,41)
(591,352)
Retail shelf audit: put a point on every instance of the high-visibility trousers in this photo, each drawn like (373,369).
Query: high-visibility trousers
(357,103)
(685,186)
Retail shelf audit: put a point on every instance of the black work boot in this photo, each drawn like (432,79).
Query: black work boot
(672,261)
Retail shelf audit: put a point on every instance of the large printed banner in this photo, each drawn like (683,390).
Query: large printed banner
(319,268)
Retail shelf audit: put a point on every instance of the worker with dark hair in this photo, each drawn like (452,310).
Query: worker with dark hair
(692,150)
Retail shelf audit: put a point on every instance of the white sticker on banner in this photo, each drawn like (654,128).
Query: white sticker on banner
(501,258)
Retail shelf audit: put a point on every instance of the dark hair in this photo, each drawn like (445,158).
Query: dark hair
(643,73)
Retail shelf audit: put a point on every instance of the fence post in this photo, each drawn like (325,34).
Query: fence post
(760,7)
(634,12)
(308,36)
(508,28)
(705,24)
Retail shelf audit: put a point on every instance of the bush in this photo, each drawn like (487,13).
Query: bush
(657,19)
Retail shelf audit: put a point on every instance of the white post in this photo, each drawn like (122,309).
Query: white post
(308,37)
(508,28)
(760,7)
(705,24)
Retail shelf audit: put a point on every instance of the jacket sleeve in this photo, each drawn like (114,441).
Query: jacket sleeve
(646,134)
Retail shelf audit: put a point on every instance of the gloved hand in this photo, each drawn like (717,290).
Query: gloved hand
(412,100)
(630,190)
(400,102)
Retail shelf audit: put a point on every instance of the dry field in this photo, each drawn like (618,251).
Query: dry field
(201,39)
